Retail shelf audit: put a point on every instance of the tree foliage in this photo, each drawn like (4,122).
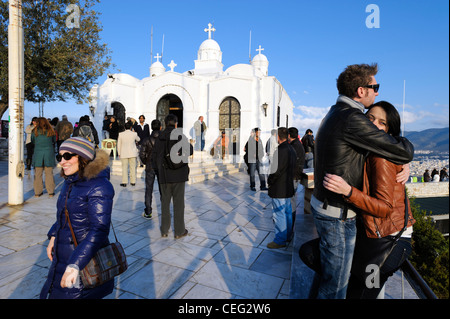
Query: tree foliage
(60,62)
(430,252)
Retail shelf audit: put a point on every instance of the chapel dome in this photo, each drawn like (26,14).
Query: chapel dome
(157,68)
(209,44)
(261,62)
(209,50)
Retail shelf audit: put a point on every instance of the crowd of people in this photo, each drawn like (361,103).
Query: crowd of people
(435,176)
(359,204)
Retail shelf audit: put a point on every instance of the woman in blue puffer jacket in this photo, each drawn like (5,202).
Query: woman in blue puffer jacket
(89,197)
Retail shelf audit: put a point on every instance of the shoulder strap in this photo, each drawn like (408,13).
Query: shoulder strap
(66,212)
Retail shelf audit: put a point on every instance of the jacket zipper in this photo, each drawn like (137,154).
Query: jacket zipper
(376,226)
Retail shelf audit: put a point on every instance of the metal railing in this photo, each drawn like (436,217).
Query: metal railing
(416,281)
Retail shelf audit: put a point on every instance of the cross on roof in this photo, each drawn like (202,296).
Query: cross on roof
(157,57)
(209,29)
(260,49)
(172,65)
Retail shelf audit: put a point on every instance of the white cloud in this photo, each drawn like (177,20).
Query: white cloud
(419,120)
(308,117)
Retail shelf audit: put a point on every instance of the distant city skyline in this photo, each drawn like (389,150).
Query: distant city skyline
(307,43)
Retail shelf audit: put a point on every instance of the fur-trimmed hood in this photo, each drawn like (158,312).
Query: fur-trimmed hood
(98,165)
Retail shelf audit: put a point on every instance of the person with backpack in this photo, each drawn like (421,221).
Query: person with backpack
(145,154)
(171,159)
(86,129)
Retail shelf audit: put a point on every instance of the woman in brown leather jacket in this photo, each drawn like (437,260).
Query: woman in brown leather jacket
(386,219)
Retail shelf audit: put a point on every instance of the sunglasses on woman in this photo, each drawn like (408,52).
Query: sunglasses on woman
(66,156)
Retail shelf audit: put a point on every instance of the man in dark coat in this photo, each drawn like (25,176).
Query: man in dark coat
(145,154)
(299,163)
(308,145)
(171,159)
(281,189)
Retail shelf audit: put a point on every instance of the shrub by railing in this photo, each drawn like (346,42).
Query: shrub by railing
(430,252)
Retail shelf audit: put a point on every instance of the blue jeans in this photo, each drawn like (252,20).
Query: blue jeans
(282,217)
(253,167)
(309,160)
(199,143)
(337,243)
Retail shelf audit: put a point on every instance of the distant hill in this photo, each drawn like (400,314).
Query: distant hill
(433,139)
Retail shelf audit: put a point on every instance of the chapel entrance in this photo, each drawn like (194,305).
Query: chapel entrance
(169,104)
(120,113)
(230,122)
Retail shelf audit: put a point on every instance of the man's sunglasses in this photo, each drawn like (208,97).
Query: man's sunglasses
(375,87)
(66,156)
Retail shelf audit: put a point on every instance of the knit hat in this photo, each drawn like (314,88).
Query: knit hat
(79,146)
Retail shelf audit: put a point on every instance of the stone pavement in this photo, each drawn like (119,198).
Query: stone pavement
(224,255)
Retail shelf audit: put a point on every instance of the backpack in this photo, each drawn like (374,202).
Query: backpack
(85,131)
(167,161)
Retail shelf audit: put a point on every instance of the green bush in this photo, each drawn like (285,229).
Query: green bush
(430,252)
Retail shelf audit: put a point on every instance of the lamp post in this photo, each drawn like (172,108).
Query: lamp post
(16,167)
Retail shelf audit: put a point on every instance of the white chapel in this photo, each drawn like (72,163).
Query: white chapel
(235,100)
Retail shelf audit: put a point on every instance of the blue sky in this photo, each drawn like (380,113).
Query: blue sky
(307,43)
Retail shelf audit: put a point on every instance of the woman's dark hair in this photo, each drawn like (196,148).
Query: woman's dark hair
(392,117)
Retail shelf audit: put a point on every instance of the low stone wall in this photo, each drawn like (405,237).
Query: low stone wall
(431,189)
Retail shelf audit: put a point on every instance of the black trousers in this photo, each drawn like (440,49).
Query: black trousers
(150,176)
(175,192)
(374,261)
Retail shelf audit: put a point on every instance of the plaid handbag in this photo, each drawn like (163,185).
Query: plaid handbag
(107,263)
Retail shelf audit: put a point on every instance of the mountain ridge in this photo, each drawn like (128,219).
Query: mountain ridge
(433,139)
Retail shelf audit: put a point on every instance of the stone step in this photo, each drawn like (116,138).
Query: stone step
(198,171)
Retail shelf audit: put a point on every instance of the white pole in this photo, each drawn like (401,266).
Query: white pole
(249,48)
(151,47)
(16,168)
(403,115)
(162,52)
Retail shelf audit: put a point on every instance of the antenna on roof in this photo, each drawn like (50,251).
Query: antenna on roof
(162,52)
(403,113)
(249,48)
(151,46)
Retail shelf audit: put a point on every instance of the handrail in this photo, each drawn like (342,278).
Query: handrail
(416,281)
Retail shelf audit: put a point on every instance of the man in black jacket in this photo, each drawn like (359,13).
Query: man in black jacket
(145,154)
(171,160)
(343,140)
(299,164)
(308,146)
(281,189)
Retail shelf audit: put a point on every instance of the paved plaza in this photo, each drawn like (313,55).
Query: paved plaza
(224,255)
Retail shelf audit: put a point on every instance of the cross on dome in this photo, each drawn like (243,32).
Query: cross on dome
(260,49)
(209,29)
(157,57)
